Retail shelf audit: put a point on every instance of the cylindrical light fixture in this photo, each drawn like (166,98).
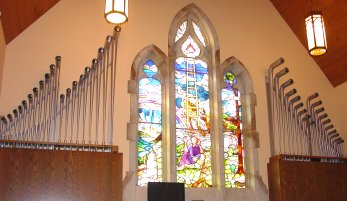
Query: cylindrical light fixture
(116,11)
(316,38)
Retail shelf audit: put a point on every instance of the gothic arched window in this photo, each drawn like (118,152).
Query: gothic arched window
(194,120)
(149,73)
(192,102)
(149,127)
(232,133)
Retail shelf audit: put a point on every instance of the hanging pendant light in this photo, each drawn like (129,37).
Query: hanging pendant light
(316,37)
(116,11)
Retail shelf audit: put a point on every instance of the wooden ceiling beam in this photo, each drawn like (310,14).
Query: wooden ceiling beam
(17,15)
(334,62)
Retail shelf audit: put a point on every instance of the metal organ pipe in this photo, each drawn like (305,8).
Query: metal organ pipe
(297,129)
(74,118)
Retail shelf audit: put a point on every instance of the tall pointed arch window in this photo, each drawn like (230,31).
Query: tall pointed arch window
(149,147)
(194,120)
(193,136)
(232,133)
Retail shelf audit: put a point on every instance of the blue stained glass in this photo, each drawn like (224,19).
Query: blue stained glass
(200,66)
(193,134)
(150,69)
(193,139)
(149,100)
(149,147)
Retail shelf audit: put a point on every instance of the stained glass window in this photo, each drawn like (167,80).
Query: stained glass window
(232,132)
(181,31)
(149,146)
(190,48)
(196,69)
(199,34)
(193,137)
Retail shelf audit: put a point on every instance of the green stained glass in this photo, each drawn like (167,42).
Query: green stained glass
(232,127)
(149,147)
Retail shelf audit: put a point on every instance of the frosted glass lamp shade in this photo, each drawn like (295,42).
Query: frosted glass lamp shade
(316,37)
(116,11)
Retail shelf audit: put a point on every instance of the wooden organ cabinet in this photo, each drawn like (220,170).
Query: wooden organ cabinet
(308,179)
(60,146)
(43,174)
(306,162)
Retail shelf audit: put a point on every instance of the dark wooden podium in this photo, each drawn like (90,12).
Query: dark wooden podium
(307,179)
(56,175)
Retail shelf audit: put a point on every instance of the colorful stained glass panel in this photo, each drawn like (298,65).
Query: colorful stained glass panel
(150,69)
(232,126)
(193,139)
(149,101)
(149,146)
(149,153)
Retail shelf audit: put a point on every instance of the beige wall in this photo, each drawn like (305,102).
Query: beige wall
(250,30)
(2,55)
(340,110)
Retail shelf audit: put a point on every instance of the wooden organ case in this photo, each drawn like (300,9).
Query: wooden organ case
(60,146)
(306,162)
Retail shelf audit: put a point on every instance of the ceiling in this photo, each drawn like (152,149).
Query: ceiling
(17,15)
(334,62)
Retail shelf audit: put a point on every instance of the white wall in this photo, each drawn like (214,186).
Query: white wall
(252,31)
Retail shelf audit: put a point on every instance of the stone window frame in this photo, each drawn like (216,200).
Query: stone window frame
(254,183)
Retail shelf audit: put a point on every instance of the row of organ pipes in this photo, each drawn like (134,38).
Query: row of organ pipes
(83,115)
(298,127)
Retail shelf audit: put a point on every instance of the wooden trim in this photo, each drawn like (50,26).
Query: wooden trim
(308,158)
(57,146)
